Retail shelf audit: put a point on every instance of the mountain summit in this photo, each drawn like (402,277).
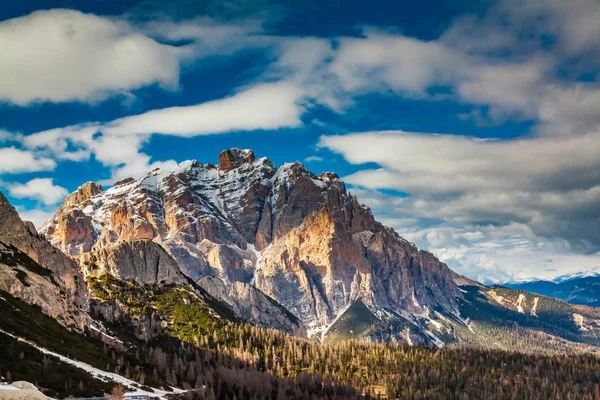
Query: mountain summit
(284,248)
(298,237)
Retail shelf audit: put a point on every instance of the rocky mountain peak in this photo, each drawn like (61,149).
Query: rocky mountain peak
(298,237)
(84,192)
(234,158)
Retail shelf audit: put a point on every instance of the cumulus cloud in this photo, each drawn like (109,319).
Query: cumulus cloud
(551,185)
(42,189)
(6,136)
(13,161)
(475,202)
(526,67)
(405,64)
(264,106)
(65,55)
(489,253)
(118,144)
(37,216)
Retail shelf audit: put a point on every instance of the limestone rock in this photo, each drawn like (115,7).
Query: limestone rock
(299,238)
(142,261)
(65,271)
(25,279)
(253,306)
(234,158)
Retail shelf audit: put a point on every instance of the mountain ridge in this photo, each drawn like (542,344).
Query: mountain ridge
(285,249)
(298,237)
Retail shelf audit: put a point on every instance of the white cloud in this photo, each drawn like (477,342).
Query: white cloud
(551,185)
(405,64)
(42,189)
(525,68)
(313,159)
(6,136)
(264,106)
(14,161)
(65,55)
(485,252)
(37,216)
(453,163)
(118,144)
(209,37)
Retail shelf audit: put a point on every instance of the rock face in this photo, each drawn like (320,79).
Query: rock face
(65,271)
(142,261)
(298,237)
(234,158)
(253,306)
(27,280)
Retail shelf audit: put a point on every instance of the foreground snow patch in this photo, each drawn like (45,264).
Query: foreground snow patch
(98,373)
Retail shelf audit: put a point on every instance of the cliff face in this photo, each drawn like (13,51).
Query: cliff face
(38,273)
(13,231)
(142,261)
(253,306)
(297,237)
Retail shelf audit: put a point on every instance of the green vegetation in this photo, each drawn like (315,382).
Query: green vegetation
(184,313)
(392,371)
(188,344)
(27,321)
(358,321)
(550,330)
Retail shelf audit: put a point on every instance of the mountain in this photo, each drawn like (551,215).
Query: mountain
(595,272)
(577,290)
(299,238)
(225,279)
(291,250)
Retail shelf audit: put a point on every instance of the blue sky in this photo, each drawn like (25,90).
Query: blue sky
(471,127)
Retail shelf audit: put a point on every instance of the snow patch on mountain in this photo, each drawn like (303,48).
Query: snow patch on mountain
(100,374)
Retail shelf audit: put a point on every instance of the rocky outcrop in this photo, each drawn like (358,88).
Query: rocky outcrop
(253,306)
(25,279)
(65,271)
(21,390)
(142,261)
(298,237)
(234,158)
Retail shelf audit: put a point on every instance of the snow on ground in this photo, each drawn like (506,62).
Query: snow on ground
(408,339)
(258,255)
(102,331)
(436,340)
(102,375)
(20,390)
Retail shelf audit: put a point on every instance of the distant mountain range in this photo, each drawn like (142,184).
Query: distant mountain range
(579,288)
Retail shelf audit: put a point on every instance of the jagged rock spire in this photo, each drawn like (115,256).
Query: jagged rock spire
(233,158)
